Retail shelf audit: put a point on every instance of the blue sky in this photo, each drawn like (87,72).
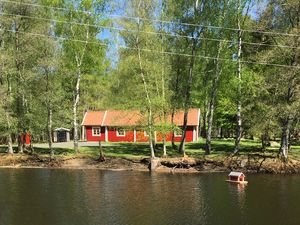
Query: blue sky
(117,7)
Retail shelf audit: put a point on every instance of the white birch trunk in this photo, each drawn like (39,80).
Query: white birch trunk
(79,60)
(150,116)
(50,133)
(239,93)
(213,95)
(9,139)
(75,108)
(187,100)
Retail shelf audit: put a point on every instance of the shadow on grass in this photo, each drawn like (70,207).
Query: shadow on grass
(119,149)
(225,146)
(220,147)
(58,151)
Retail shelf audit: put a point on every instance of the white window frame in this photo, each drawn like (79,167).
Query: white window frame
(146,133)
(93,133)
(120,135)
(176,134)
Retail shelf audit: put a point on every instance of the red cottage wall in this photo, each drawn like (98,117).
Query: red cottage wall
(140,136)
(188,137)
(189,134)
(90,137)
(112,136)
(129,135)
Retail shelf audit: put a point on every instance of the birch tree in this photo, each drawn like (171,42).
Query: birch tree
(221,50)
(283,82)
(81,46)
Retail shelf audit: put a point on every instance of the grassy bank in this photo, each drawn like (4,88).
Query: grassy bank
(220,148)
(250,157)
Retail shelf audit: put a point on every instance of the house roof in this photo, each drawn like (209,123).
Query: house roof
(193,117)
(61,129)
(123,118)
(133,118)
(235,174)
(93,118)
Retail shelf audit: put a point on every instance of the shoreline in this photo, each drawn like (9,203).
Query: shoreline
(265,165)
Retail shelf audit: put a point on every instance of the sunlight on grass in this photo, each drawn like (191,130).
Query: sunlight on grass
(220,149)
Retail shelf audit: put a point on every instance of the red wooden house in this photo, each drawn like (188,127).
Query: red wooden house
(127,126)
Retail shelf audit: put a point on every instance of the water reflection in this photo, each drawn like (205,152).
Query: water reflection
(84,197)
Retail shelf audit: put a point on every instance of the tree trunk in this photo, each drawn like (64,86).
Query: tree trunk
(164,110)
(79,59)
(204,131)
(75,108)
(239,94)
(20,144)
(150,116)
(284,146)
(292,88)
(151,134)
(164,146)
(9,144)
(50,133)
(173,126)
(187,101)
(49,117)
(176,89)
(9,138)
(213,95)
(19,99)
(101,154)
(149,103)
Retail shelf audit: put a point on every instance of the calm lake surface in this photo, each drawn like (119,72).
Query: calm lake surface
(93,197)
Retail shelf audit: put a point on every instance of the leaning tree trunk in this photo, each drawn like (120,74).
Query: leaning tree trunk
(149,102)
(187,100)
(211,107)
(150,116)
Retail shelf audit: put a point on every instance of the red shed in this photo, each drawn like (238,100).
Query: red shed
(25,138)
(127,126)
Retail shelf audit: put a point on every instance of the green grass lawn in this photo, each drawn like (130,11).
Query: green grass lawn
(220,148)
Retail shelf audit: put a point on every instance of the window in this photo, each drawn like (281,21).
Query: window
(96,131)
(120,132)
(146,134)
(178,132)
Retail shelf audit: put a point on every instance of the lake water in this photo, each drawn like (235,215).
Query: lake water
(93,197)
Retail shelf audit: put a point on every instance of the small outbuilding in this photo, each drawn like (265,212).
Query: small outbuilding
(236,177)
(61,135)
